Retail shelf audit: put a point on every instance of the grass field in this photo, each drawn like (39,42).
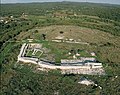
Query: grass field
(105,45)
(76,33)
(61,50)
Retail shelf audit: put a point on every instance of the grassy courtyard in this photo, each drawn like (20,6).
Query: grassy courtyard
(30,53)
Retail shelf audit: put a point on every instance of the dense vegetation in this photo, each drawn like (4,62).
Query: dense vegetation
(25,79)
(100,10)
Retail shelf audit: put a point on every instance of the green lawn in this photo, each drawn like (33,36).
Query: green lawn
(29,53)
(38,54)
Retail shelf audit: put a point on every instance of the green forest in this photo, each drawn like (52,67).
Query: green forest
(19,22)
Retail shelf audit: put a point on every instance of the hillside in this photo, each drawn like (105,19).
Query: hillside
(95,24)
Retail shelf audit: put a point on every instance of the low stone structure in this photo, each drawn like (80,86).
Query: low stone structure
(83,68)
(86,82)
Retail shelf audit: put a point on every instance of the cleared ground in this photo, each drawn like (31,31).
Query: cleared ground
(76,33)
(105,45)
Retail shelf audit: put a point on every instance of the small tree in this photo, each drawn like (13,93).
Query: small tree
(36,31)
(72,51)
(44,36)
(61,32)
